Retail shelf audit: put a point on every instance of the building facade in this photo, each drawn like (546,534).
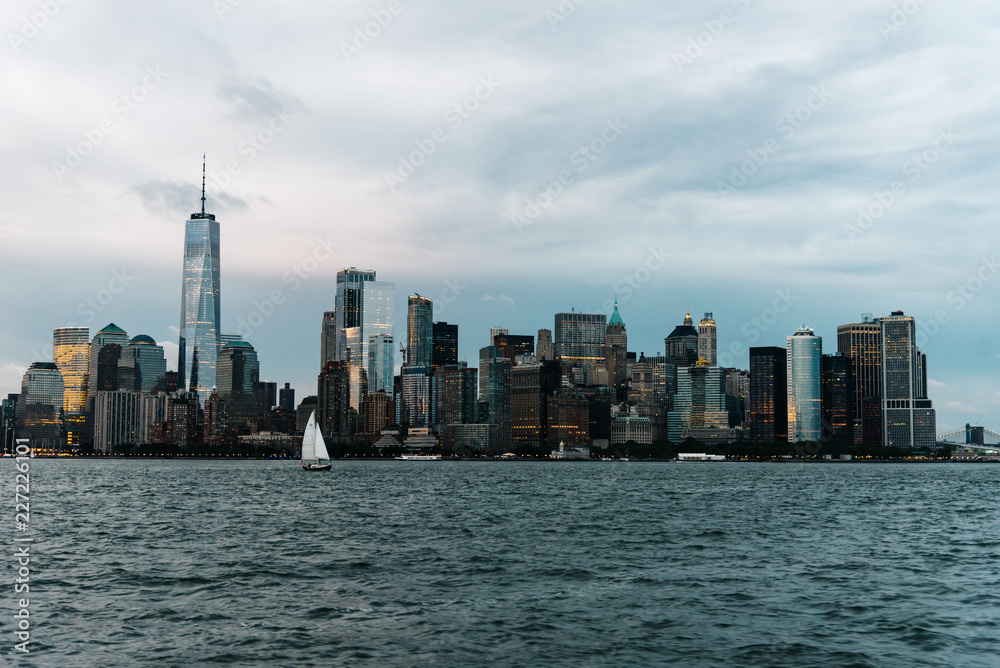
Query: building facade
(805,390)
(908,416)
(201,310)
(767,409)
(579,342)
(708,347)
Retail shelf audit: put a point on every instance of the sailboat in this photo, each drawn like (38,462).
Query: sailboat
(314,448)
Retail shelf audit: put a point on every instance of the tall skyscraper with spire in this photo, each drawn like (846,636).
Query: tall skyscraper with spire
(200,305)
(616,349)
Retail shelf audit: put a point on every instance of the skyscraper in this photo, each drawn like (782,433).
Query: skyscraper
(544,349)
(512,346)
(445,345)
(455,394)
(105,353)
(707,345)
(328,338)
(616,349)
(365,308)
(40,406)
(71,354)
(838,397)
(198,340)
(286,397)
(349,306)
(768,401)
(862,343)
(579,342)
(805,391)
(701,403)
(333,407)
(682,344)
(908,416)
(142,366)
(239,384)
(419,331)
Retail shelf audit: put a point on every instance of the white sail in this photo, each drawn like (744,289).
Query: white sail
(309,440)
(320,446)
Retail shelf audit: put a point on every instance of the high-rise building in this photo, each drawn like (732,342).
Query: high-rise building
(333,403)
(862,343)
(420,331)
(239,384)
(378,316)
(498,395)
(579,342)
(328,338)
(544,350)
(838,398)
(455,394)
(71,354)
(39,408)
(568,415)
(445,345)
(682,344)
(531,387)
(513,346)
(349,306)
(497,331)
(286,397)
(417,400)
(616,349)
(198,340)
(767,409)
(117,419)
(378,412)
(805,390)
(216,422)
(908,416)
(268,396)
(381,363)
(701,403)
(142,366)
(708,348)
(105,352)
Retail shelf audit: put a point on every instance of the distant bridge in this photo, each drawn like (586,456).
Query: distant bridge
(976,438)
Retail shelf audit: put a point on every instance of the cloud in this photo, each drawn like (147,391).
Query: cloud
(254,99)
(502,299)
(173,199)
(11,375)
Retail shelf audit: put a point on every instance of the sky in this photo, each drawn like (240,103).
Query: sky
(778,164)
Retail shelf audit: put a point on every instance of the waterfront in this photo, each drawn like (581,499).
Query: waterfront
(153,562)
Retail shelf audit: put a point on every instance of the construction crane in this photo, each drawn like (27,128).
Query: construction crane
(402,349)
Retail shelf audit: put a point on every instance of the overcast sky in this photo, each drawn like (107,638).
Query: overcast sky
(509,160)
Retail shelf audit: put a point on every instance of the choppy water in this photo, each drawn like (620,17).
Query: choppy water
(509,564)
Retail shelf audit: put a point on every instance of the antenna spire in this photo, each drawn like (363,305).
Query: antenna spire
(202,184)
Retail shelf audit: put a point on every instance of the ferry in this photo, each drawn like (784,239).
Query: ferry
(418,458)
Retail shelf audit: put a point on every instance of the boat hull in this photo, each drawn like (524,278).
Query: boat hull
(316,467)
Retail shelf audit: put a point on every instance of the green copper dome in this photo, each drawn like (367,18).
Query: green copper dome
(112,329)
(616,318)
(143,339)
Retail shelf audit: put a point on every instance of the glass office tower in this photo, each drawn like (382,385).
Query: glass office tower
(71,353)
(805,390)
(420,331)
(200,305)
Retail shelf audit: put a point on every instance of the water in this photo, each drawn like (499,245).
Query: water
(185,563)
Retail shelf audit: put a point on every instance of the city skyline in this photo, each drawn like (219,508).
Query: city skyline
(809,227)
